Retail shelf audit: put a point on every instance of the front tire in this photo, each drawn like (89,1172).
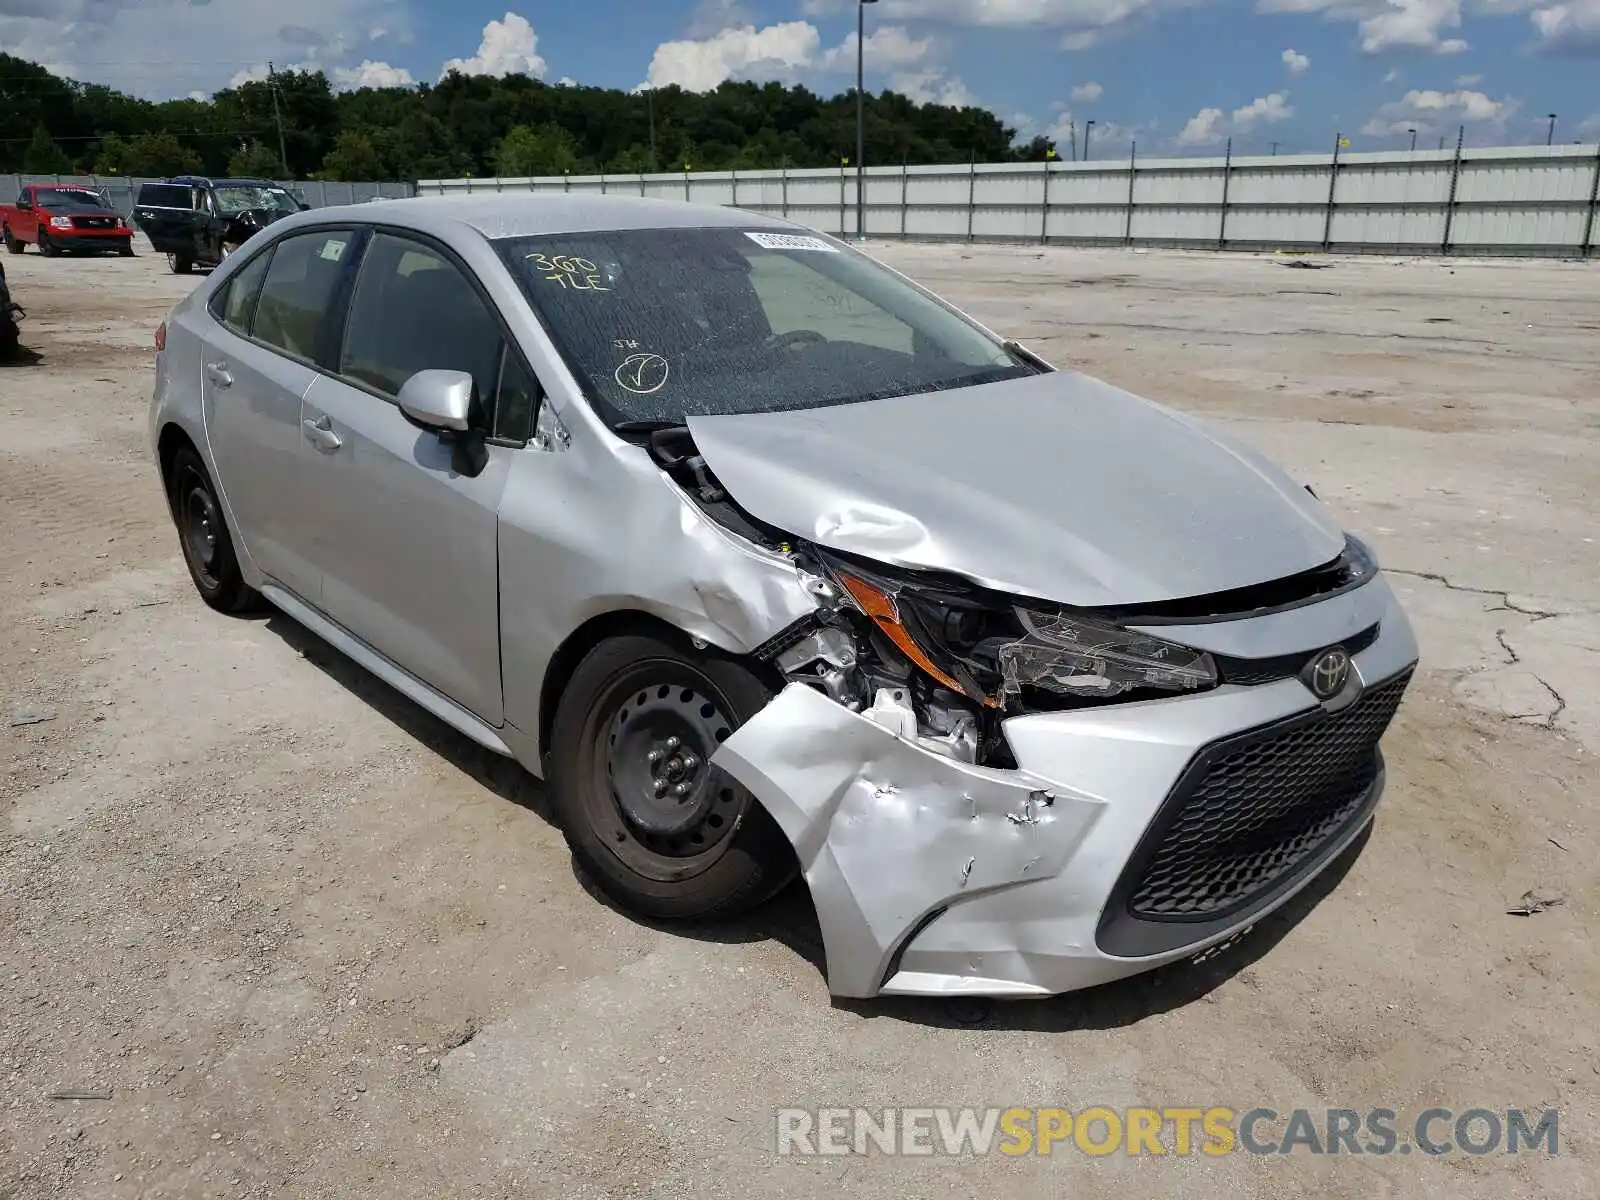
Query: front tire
(180,264)
(46,246)
(203,534)
(659,830)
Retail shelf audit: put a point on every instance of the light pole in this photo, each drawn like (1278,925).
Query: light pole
(1413,134)
(1550,138)
(1275,146)
(1088,128)
(861,118)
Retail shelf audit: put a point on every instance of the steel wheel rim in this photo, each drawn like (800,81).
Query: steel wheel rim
(201,526)
(670,835)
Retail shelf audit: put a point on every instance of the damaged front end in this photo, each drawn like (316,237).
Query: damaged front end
(995,795)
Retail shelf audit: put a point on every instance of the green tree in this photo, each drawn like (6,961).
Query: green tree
(44,157)
(157,154)
(255,161)
(353,158)
(545,150)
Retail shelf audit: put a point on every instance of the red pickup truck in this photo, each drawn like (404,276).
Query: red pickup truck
(59,217)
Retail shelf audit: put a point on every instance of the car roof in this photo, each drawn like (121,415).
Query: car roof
(502,215)
(205,181)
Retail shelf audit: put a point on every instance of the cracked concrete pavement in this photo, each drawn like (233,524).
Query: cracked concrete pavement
(312,944)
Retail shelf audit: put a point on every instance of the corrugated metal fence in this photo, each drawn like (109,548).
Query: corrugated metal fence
(1523,200)
(121,190)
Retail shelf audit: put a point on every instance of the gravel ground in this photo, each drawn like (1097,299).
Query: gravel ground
(311,943)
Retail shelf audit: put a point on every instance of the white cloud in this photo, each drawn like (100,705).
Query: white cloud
(933,86)
(1574,25)
(1087,93)
(1392,77)
(1466,81)
(787,49)
(1430,111)
(1263,110)
(161,49)
(1202,129)
(371,75)
(1083,22)
(566,81)
(700,66)
(1295,61)
(889,46)
(1589,128)
(1386,25)
(509,47)
(1210,126)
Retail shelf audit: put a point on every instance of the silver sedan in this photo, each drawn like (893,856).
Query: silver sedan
(773,564)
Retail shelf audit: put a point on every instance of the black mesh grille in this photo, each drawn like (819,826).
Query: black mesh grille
(1250,671)
(1252,809)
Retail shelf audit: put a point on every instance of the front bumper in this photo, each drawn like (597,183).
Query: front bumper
(934,877)
(99,239)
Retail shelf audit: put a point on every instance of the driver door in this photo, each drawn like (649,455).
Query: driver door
(407,545)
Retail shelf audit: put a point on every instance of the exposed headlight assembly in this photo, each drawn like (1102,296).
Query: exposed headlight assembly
(1073,655)
(991,650)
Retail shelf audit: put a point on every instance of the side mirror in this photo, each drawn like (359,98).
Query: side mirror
(438,399)
(304,207)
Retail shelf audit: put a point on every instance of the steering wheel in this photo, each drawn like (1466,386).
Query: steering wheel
(795,339)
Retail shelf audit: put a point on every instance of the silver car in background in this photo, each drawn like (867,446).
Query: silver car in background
(772,563)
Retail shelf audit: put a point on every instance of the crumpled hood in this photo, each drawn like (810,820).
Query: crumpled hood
(1056,486)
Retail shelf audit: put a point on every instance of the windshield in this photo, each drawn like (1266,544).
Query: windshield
(664,324)
(231,200)
(68,200)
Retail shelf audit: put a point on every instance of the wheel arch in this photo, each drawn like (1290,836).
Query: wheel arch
(597,629)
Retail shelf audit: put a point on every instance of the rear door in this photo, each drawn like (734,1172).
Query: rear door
(166,215)
(267,332)
(407,546)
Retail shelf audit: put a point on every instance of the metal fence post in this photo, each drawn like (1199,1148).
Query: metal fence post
(1450,202)
(1044,207)
(972,194)
(1587,247)
(905,193)
(785,169)
(602,183)
(1333,184)
(735,175)
(1133,153)
(843,202)
(1227,178)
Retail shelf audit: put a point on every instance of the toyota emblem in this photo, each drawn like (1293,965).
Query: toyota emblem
(1327,673)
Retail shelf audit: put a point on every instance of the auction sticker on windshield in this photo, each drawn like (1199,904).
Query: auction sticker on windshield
(790,241)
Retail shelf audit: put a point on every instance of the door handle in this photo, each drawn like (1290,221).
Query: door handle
(217,372)
(320,433)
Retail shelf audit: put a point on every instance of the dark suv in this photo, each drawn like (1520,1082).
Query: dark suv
(199,222)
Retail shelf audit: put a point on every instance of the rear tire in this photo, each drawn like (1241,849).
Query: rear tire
(12,245)
(203,534)
(640,719)
(180,264)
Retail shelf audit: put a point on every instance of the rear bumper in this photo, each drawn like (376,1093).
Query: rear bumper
(933,877)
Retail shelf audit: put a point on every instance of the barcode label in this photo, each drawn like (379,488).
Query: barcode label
(790,241)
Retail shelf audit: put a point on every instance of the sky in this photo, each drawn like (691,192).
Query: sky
(1178,76)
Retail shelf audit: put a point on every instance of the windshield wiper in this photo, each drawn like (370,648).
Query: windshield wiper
(1025,356)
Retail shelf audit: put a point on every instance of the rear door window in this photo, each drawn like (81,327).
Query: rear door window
(165,195)
(298,291)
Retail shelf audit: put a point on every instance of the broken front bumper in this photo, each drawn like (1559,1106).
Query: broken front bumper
(1131,836)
